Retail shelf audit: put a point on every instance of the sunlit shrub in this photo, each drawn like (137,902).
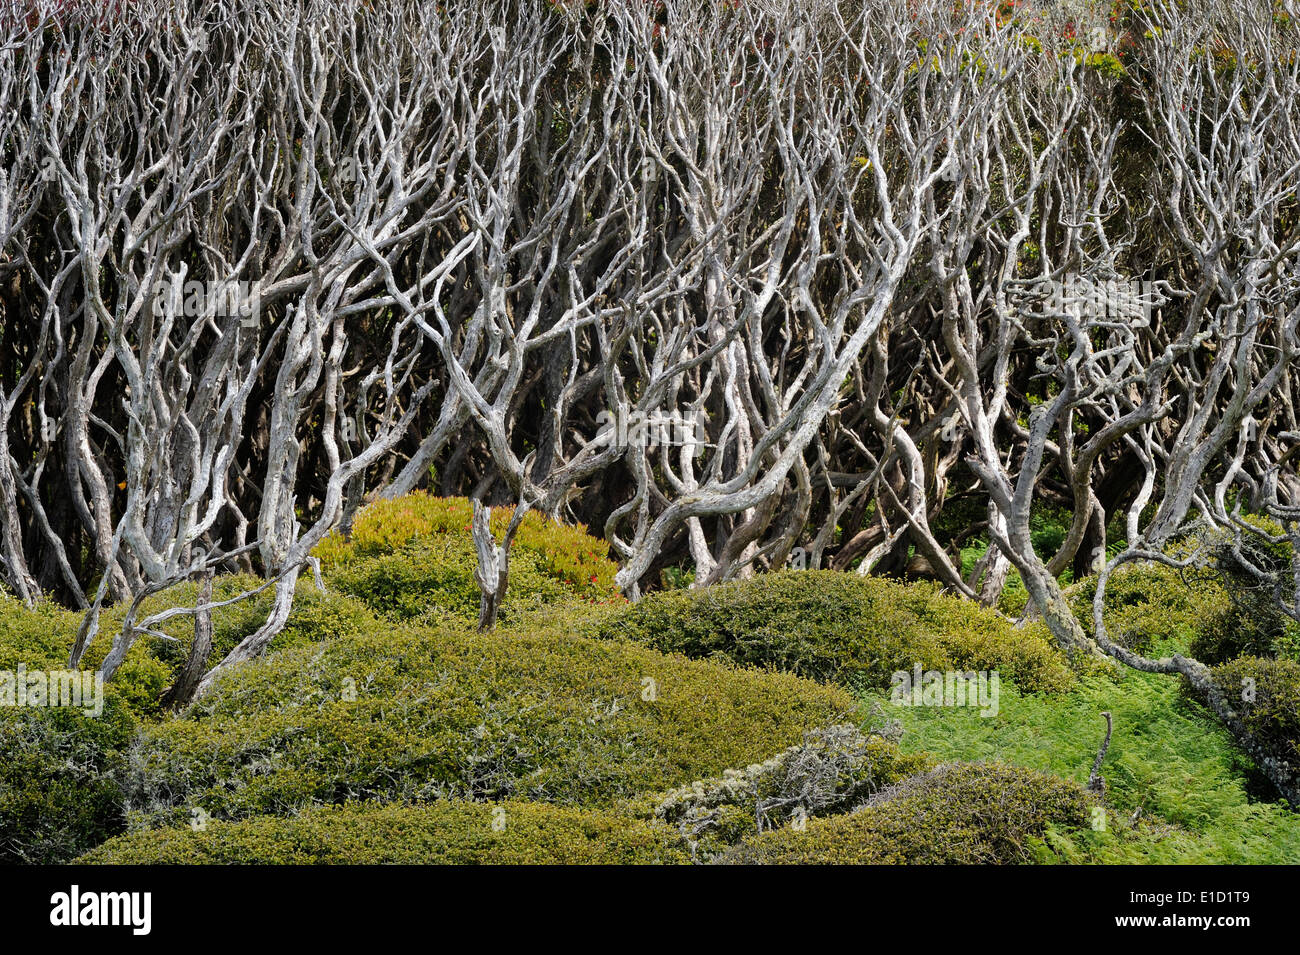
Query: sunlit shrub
(413,556)
(451,832)
(443,713)
(835,626)
(957,814)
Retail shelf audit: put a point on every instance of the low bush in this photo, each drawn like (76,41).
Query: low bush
(1212,610)
(451,832)
(35,637)
(834,626)
(832,770)
(414,554)
(60,768)
(1265,693)
(1251,621)
(956,814)
(433,579)
(43,636)
(60,780)
(1150,604)
(444,712)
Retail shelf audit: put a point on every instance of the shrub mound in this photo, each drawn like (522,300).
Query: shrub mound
(60,780)
(442,712)
(1149,604)
(1266,697)
(413,556)
(956,814)
(1251,622)
(1213,611)
(835,626)
(60,769)
(451,832)
(832,770)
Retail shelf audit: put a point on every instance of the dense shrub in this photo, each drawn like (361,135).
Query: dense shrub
(434,578)
(833,770)
(444,712)
(1149,604)
(1265,694)
(956,814)
(60,786)
(43,636)
(1251,621)
(60,780)
(450,832)
(414,553)
(1232,631)
(1212,609)
(829,625)
(36,637)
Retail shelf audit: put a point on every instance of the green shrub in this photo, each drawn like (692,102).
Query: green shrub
(409,554)
(442,713)
(60,780)
(1150,604)
(434,578)
(39,637)
(834,626)
(1266,697)
(1250,621)
(42,637)
(1212,610)
(956,814)
(1227,633)
(833,770)
(451,832)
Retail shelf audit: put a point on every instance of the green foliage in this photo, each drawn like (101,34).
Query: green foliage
(956,814)
(60,772)
(315,616)
(1170,762)
(39,637)
(433,579)
(1211,611)
(451,832)
(832,770)
(566,554)
(442,713)
(153,663)
(829,625)
(43,637)
(1266,696)
(1251,622)
(1151,604)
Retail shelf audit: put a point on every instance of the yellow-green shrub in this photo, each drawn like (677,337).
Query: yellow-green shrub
(434,578)
(957,814)
(60,769)
(442,713)
(451,832)
(36,637)
(566,554)
(42,637)
(836,626)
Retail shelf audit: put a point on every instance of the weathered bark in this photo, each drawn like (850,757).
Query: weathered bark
(183,689)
